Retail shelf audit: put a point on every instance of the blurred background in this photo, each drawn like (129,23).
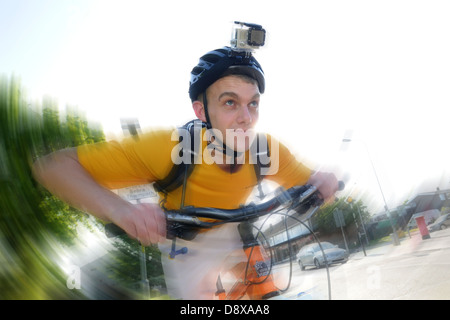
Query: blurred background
(44,242)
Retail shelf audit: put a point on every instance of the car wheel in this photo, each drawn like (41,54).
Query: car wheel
(302,267)
(317,263)
(443,226)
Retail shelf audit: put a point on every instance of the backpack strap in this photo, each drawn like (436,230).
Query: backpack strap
(179,173)
(259,164)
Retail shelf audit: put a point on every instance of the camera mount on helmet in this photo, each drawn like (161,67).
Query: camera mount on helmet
(247,36)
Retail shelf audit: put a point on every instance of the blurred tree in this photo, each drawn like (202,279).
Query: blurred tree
(27,270)
(61,219)
(126,266)
(325,221)
(34,224)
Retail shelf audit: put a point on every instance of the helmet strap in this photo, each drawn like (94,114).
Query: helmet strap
(205,107)
(225,148)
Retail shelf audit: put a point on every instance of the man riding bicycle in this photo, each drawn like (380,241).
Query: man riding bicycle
(225,91)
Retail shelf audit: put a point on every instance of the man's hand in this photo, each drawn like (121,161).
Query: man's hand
(145,222)
(326,184)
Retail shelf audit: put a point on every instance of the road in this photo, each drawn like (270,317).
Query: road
(416,269)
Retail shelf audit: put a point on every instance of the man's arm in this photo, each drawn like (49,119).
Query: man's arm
(63,175)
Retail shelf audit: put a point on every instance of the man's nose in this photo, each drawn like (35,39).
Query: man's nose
(245,115)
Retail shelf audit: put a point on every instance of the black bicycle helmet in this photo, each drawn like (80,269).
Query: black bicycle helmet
(217,63)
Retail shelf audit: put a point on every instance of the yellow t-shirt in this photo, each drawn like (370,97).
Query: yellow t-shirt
(148,158)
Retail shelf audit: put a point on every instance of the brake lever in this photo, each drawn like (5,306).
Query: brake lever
(302,207)
(313,201)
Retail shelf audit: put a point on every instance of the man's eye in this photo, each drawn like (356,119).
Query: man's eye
(254,104)
(229,103)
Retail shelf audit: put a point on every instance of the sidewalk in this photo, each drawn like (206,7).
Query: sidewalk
(409,244)
(416,269)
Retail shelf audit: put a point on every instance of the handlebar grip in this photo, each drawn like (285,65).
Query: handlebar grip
(112,230)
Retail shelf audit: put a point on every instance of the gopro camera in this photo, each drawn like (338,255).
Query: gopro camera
(247,36)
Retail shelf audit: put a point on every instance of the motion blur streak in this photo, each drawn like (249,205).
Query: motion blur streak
(40,238)
(29,233)
(26,270)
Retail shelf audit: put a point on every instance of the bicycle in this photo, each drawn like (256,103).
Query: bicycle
(254,277)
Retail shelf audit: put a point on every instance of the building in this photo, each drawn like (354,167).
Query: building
(429,201)
(380,224)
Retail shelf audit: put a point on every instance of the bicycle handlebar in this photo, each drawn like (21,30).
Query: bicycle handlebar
(290,197)
(185,223)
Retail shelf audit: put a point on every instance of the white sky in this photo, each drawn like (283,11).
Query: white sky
(379,69)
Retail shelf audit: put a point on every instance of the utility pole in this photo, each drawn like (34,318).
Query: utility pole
(131,126)
(350,201)
(395,239)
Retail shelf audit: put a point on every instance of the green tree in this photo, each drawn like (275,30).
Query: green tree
(325,221)
(27,270)
(126,266)
(32,219)
(34,224)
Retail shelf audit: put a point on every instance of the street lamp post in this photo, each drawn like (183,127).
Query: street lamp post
(132,126)
(394,232)
(350,202)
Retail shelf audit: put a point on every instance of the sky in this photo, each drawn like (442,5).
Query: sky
(377,72)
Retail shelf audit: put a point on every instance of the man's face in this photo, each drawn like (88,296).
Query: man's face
(233,108)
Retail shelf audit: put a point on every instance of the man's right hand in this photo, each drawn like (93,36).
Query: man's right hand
(145,222)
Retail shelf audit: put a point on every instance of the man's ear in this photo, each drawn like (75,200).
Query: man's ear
(199,110)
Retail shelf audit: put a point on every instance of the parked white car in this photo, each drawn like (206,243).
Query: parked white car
(311,255)
(429,215)
(443,222)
